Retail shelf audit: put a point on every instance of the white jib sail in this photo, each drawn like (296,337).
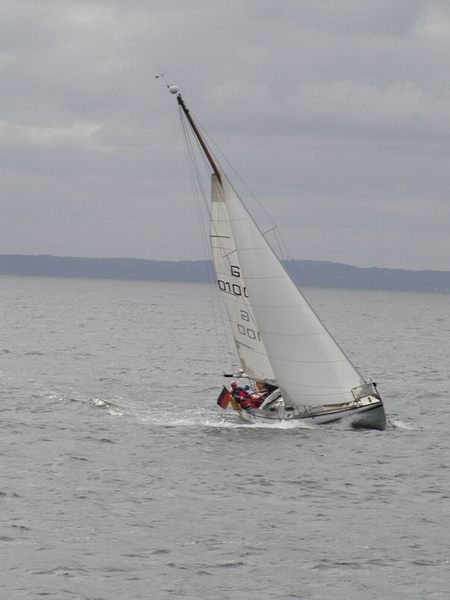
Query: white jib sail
(309,367)
(233,289)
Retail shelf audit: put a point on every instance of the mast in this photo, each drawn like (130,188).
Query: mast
(278,335)
(231,282)
(199,137)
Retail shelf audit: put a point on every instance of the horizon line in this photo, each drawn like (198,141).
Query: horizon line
(197,260)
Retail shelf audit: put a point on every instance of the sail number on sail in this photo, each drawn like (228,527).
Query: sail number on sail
(237,290)
(233,288)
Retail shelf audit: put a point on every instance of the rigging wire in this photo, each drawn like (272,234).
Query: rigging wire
(225,160)
(278,238)
(281,248)
(202,207)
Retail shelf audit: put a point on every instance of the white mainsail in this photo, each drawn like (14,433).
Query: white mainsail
(232,286)
(308,365)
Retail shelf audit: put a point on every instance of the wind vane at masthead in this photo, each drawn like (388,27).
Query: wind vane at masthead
(173,89)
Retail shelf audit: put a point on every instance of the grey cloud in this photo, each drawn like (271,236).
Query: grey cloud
(336,114)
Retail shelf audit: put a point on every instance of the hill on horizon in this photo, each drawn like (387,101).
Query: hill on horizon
(309,273)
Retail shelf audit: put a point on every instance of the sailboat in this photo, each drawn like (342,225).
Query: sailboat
(291,367)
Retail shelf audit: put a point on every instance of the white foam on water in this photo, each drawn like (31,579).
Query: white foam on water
(203,420)
(111,408)
(399,424)
(297,424)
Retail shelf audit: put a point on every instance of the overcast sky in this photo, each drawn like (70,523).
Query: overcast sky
(336,113)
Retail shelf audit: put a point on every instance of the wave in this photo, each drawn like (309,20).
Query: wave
(400,424)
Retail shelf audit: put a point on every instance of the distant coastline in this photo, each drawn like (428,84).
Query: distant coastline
(310,273)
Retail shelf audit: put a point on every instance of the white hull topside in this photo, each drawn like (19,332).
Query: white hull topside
(367,413)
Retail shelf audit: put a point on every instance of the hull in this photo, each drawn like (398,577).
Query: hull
(368,415)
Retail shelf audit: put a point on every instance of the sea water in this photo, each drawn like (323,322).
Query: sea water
(122,479)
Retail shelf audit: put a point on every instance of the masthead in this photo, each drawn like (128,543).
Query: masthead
(173,89)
